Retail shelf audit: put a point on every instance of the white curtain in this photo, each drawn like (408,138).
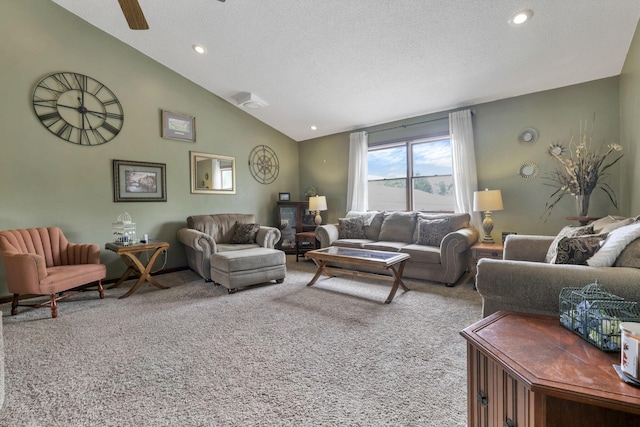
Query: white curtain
(357,190)
(465,176)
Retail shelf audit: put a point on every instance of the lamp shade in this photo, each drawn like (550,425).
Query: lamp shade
(318,203)
(487,200)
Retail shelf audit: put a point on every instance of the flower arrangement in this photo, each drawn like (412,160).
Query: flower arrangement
(580,169)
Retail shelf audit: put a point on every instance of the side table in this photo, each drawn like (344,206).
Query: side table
(130,254)
(484,250)
(526,370)
(305,241)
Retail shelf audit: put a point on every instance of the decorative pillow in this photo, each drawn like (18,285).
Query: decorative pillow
(577,250)
(244,233)
(567,231)
(630,257)
(351,228)
(614,244)
(398,227)
(616,224)
(456,221)
(432,231)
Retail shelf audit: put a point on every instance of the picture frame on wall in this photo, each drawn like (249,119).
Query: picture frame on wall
(284,197)
(139,181)
(178,126)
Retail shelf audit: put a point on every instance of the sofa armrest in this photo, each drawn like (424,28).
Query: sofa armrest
(459,240)
(535,287)
(197,240)
(327,234)
(267,237)
(82,253)
(26,269)
(527,247)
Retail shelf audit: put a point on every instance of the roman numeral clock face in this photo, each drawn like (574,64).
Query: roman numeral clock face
(77,108)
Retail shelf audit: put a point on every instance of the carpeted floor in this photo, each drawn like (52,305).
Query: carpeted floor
(278,355)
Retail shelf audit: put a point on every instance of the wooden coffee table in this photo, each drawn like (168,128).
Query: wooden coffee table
(348,261)
(130,254)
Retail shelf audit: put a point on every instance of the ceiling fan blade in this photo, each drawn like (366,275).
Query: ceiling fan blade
(133,13)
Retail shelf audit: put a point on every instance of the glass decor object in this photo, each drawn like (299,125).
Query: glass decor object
(124,230)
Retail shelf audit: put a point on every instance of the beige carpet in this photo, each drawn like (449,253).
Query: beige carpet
(279,355)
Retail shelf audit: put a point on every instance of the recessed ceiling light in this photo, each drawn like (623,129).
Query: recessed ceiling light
(199,49)
(521,17)
(313,127)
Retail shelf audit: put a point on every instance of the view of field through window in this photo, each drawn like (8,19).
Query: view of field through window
(424,166)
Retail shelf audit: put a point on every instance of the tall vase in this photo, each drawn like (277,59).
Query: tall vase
(582,204)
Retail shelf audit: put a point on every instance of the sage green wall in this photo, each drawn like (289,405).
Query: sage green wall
(499,155)
(45,181)
(630,125)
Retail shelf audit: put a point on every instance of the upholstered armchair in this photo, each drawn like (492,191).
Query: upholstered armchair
(40,261)
(205,235)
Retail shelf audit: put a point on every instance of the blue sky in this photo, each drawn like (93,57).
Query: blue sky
(430,158)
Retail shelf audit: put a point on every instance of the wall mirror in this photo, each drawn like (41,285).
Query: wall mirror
(212,174)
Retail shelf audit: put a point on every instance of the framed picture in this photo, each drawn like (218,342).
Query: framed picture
(139,181)
(178,126)
(284,197)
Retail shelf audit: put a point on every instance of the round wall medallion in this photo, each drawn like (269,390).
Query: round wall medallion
(263,163)
(528,136)
(528,170)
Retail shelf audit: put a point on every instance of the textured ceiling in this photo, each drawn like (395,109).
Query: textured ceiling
(343,65)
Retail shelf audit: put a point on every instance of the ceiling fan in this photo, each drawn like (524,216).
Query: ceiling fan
(133,14)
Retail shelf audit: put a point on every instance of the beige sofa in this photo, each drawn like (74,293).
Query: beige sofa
(439,244)
(206,235)
(523,281)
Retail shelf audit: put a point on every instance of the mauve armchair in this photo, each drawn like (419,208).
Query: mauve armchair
(40,261)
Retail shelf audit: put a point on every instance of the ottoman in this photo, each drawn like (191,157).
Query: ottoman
(246,267)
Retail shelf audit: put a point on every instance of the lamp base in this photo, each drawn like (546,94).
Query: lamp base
(487,226)
(318,218)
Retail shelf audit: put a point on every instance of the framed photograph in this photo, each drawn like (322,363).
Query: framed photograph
(284,197)
(178,126)
(139,181)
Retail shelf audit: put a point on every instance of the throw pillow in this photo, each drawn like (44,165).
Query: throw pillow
(244,233)
(351,228)
(630,257)
(398,227)
(567,231)
(577,250)
(614,244)
(432,231)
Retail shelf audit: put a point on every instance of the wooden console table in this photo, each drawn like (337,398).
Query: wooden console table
(525,370)
(130,254)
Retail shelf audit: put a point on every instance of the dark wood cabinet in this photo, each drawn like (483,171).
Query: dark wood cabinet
(293,218)
(525,370)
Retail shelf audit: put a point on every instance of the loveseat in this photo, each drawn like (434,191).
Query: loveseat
(439,244)
(205,235)
(529,279)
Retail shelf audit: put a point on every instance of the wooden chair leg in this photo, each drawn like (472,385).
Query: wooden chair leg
(14,305)
(54,306)
(100,289)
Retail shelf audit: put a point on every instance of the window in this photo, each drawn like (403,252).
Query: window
(411,175)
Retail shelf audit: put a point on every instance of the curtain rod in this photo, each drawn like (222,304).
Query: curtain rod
(411,124)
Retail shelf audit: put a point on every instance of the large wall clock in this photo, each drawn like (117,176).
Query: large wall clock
(78,108)
(264,165)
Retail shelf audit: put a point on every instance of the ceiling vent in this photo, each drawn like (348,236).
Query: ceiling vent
(250,101)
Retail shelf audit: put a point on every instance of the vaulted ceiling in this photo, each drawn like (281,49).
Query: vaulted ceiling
(340,65)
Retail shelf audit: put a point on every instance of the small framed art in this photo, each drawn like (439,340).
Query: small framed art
(284,197)
(139,181)
(178,126)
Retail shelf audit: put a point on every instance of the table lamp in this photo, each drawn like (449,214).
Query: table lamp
(487,201)
(317,204)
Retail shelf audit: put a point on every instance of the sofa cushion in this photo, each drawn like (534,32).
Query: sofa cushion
(456,221)
(432,231)
(244,233)
(384,246)
(398,227)
(607,221)
(614,244)
(421,253)
(351,228)
(568,231)
(630,256)
(577,250)
(372,231)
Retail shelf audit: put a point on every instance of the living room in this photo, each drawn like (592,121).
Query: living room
(47,181)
